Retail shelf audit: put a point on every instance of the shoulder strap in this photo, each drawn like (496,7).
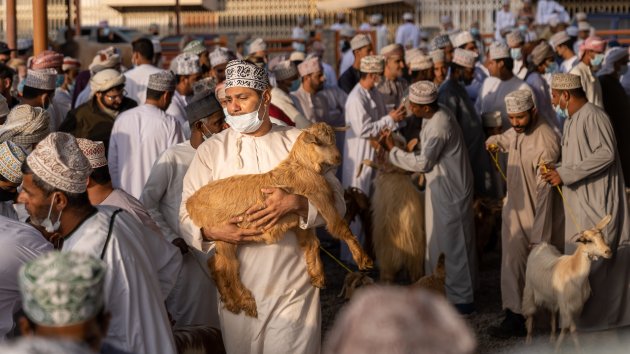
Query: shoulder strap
(109,232)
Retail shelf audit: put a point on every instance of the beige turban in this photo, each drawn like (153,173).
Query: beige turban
(105,80)
(25,125)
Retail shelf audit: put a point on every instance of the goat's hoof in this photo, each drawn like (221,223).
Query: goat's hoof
(365,262)
(318,282)
(528,340)
(251,311)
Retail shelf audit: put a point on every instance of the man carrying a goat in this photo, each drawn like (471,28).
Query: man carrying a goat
(287,304)
(592,183)
(532,212)
(443,159)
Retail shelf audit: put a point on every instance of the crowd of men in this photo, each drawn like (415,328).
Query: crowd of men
(99,164)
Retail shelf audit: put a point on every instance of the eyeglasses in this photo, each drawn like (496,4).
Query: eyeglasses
(120,96)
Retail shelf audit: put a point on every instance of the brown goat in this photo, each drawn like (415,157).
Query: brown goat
(300,173)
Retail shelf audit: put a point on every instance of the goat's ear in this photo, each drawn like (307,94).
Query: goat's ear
(602,224)
(581,237)
(310,138)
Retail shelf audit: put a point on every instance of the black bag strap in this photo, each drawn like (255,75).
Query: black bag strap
(109,232)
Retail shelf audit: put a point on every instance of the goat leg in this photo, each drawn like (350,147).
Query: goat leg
(310,245)
(574,336)
(324,201)
(529,323)
(560,339)
(554,324)
(225,271)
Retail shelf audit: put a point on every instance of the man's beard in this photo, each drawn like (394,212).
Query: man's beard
(110,109)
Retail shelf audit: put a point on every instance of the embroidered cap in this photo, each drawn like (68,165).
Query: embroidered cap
(461,38)
(359,41)
(392,50)
(186,64)
(195,46)
(58,161)
(94,151)
(240,73)
(11,158)
(43,79)
(309,66)
(465,58)
(62,288)
(438,56)
(163,81)
(285,70)
(514,38)
(499,50)
(202,105)
(519,101)
(541,53)
(423,92)
(564,81)
(421,62)
(440,41)
(220,56)
(372,64)
(70,63)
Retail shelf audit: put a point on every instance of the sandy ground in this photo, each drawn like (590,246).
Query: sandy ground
(489,313)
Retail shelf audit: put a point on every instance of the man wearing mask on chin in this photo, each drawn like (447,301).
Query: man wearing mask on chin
(162,196)
(253,145)
(54,185)
(11,157)
(591,60)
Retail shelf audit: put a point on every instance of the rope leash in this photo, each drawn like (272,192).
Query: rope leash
(543,166)
(335,259)
(495,158)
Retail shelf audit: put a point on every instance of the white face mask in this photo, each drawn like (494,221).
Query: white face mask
(206,136)
(47,223)
(245,123)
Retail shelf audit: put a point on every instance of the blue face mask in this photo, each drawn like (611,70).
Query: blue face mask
(562,113)
(516,53)
(522,28)
(295,85)
(474,32)
(597,59)
(59,81)
(552,68)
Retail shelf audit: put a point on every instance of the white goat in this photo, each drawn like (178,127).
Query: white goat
(560,282)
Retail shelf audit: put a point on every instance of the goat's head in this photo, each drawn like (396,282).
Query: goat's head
(594,244)
(316,149)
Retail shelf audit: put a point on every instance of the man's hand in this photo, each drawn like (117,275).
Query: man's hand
(552,177)
(398,114)
(181,244)
(493,148)
(388,139)
(277,204)
(230,232)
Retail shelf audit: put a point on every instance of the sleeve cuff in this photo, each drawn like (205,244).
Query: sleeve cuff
(312,217)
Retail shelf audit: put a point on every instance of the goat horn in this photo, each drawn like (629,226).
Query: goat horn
(341,129)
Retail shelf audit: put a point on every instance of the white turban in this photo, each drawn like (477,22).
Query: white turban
(105,80)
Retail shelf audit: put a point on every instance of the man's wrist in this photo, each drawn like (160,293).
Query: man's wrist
(204,235)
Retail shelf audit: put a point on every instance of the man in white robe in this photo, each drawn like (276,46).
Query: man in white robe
(500,82)
(505,19)
(516,41)
(100,192)
(54,193)
(282,105)
(138,77)
(591,59)
(366,117)
(19,243)
(592,182)
(393,86)
(288,305)
(162,196)
(533,210)
(443,159)
(562,44)
(187,71)
(141,134)
(408,34)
